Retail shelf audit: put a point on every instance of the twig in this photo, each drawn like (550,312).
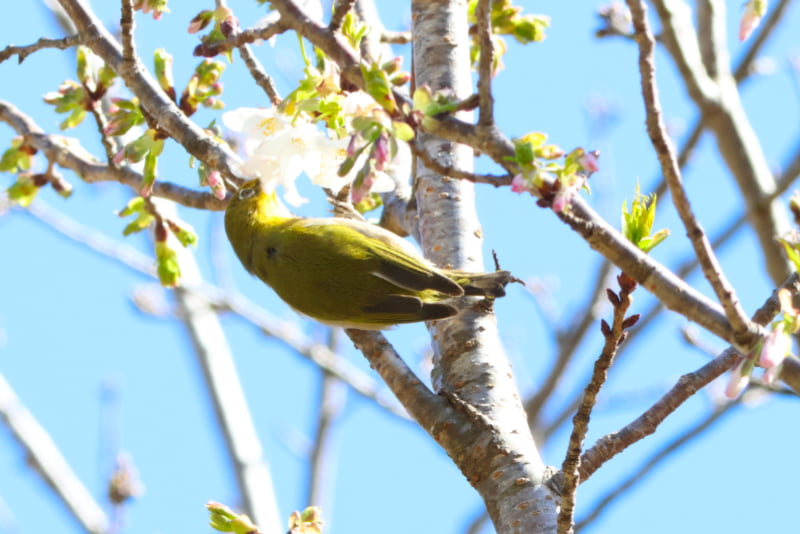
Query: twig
(259,75)
(127,26)
(666,156)
(390,37)
(638,475)
(24,51)
(323,453)
(357,380)
(768,25)
(244,37)
(723,113)
(741,72)
(109,144)
(420,402)
(687,385)
(69,155)
(483,14)
(199,315)
(153,99)
(447,170)
(48,461)
(681,40)
(340,10)
(568,342)
(788,176)
(711,30)
(668,288)
(683,272)
(614,336)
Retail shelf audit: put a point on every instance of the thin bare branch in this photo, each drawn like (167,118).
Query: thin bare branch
(48,461)
(724,114)
(152,98)
(109,144)
(24,51)
(199,316)
(483,14)
(686,386)
(614,336)
(648,317)
(241,38)
(671,290)
(569,340)
(283,331)
(741,72)
(323,457)
(260,76)
(447,170)
(636,476)
(669,165)
(420,402)
(391,37)
(67,153)
(712,35)
(127,27)
(679,36)
(340,10)
(764,32)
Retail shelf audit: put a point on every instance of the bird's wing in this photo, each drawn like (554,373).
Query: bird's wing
(406,305)
(397,261)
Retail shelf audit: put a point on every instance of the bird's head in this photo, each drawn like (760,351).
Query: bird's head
(252,199)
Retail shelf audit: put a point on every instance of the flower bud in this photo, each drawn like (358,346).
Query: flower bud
(201,20)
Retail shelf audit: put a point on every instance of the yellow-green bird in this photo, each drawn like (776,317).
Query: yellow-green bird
(343,272)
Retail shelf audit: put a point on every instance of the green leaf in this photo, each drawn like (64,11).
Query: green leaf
(402,131)
(637,224)
(169,272)
(23,191)
(184,235)
(141,222)
(135,205)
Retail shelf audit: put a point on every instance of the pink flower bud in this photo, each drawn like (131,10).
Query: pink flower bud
(562,199)
(518,184)
(213,178)
(119,157)
(381,152)
(775,348)
(770,375)
(357,194)
(351,146)
(589,161)
(229,26)
(737,381)
(754,11)
(219,190)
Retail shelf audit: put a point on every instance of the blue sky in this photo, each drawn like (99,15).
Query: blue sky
(69,330)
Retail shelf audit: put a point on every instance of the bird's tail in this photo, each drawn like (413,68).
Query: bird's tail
(490,285)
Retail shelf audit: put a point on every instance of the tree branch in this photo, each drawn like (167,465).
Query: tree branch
(68,154)
(614,336)
(283,331)
(638,475)
(193,138)
(24,51)
(669,165)
(483,14)
(687,385)
(49,463)
(739,146)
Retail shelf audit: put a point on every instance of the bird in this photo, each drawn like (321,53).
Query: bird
(344,272)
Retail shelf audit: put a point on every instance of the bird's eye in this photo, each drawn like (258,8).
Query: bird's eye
(246,193)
